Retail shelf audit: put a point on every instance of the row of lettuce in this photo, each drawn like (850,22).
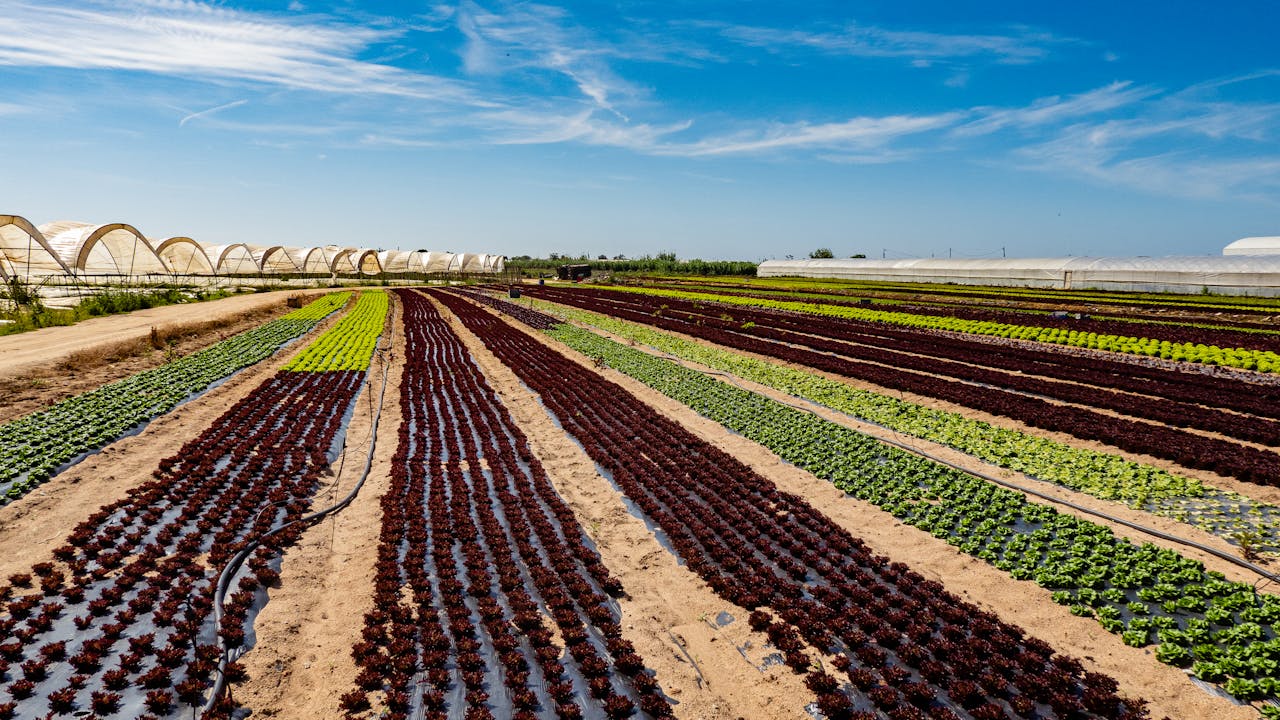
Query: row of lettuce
(36,446)
(349,345)
(1225,632)
(1231,516)
(1243,358)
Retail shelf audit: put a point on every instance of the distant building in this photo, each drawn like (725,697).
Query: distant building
(1254,246)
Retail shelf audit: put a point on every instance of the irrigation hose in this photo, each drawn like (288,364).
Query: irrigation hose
(901,445)
(232,567)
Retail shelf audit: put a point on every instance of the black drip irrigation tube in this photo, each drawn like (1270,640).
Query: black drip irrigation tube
(902,445)
(232,567)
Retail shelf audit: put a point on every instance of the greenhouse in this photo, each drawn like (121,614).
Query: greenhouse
(110,249)
(184,256)
(67,249)
(1254,246)
(1225,274)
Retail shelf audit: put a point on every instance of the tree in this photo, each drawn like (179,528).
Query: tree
(858,256)
(822,253)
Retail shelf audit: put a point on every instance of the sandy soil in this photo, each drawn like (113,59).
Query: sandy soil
(45,347)
(1168,689)
(302,663)
(42,519)
(670,614)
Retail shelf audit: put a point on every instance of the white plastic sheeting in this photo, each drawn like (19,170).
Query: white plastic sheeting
(184,256)
(1229,275)
(110,249)
(68,248)
(1254,246)
(24,251)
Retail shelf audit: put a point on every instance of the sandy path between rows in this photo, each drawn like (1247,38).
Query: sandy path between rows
(302,662)
(669,614)
(44,347)
(1168,689)
(41,520)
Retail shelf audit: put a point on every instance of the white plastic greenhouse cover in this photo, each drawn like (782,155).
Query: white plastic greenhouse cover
(395,261)
(233,259)
(1254,246)
(184,256)
(69,248)
(273,260)
(1231,275)
(437,262)
(109,249)
(309,260)
(24,252)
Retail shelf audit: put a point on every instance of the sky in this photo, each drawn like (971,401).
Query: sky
(721,130)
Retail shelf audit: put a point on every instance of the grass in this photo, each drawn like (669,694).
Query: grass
(30,313)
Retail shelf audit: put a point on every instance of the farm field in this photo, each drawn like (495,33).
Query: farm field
(679,499)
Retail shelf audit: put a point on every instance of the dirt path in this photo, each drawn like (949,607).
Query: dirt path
(671,614)
(302,663)
(38,387)
(1139,674)
(41,520)
(46,347)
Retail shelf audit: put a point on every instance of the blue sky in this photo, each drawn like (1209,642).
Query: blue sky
(710,129)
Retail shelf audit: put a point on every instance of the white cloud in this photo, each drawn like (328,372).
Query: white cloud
(206,113)
(1055,109)
(859,133)
(192,39)
(1019,46)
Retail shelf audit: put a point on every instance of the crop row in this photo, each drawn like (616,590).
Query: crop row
(35,447)
(1226,631)
(349,344)
(1248,463)
(1159,301)
(120,622)
(1223,333)
(479,571)
(1101,475)
(1188,389)
(1260,360)
(902,645)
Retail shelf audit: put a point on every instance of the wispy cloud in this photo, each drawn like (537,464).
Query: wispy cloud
(199,40)
(855,134)
(1056,109)
(1172,145)
(206,113)
(523,37)
(1016,46)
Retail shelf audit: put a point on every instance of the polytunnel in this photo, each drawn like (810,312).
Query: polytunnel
(343,260)
(1254,246)
(1228,275)
(310,260)
(184,256)
(109,249)
(472,263)
(273,260)
(395,261)
(366,261)
(233,259)
(437,262)
(24,252)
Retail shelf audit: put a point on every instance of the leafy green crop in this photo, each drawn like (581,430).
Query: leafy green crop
(1260,360)
(349,344)
(33,447)
(1101,475)
(1220,623)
